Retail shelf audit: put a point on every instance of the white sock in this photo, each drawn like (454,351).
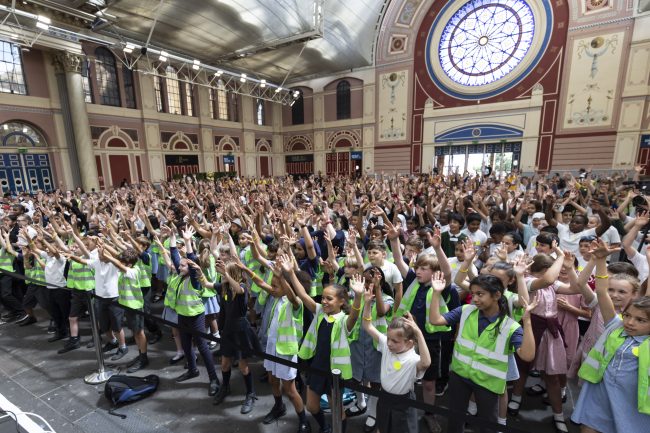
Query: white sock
(559,417)
(501,421)
(516,398)
(361,400)
(471,408)
(372,406)
(563,391)
(217,334)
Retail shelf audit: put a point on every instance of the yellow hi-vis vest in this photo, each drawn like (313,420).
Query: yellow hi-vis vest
(6,260)
(483,359)
(407,303)
(380,323)
(340,349)
(594,366)
(182,298)
(289,327)
(130,294)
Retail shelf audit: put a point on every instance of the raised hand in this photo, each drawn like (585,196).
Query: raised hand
(642,219)
(601,250)
(357,284)
(529,307)
(569,260)
(438,282)
(521,265)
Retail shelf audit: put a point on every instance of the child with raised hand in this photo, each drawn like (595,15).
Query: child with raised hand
(401,366)
(615,397)
(486,336)
(326,340)
(284,331)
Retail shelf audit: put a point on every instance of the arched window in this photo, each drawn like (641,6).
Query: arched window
(222,101)
(19,134)
(260,112)
(12,79)
(129,88)
(109,90)
(85,76)
(298,110)
(158,88)
(343,100)
(173,91)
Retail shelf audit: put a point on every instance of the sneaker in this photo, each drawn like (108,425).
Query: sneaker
(30,320)
(176,359)
(71,344)
(20,317)
(138,364)
(7,317)
(432,424)
(441,389)
(153,339)
(304,427)
(51,329)
(212,345)
(188,375)
(249,403)
(90,345)
(111,345)
(275,413)
(213,388)
(221,395)
(119,353)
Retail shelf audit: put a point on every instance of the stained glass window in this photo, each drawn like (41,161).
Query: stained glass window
(485,40)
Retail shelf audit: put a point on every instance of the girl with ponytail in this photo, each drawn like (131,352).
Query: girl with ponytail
(486,337)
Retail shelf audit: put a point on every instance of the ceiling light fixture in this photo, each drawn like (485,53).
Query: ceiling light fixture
(278,89)
(243,78)
(263,83)
(163,56)
(43,22)
(196,65)
(129,48)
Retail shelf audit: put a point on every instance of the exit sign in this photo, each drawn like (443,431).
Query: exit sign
(22,150)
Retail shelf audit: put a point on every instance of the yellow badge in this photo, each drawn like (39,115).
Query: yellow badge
(397,365)
(331,319)
(225,297)
(635,351)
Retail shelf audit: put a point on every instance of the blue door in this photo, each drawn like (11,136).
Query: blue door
(25,172)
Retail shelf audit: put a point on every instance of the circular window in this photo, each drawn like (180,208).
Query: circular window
(479,48)
(485,40)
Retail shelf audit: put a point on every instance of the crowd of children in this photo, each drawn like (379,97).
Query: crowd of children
(469,284)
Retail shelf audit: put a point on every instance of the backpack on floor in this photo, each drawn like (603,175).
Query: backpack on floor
(120,390)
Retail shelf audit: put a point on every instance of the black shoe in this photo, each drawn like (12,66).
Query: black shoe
(534,373)
(51,329)
(326,429)
(56,337)
(264,378)
(119,353)
(304,427)
(140,362)
(71,344)
(221,395)
(275,413)
(21,317)
(110,346)
(547,402)
(535,390)
(90,345)
(30,320)
(155,338)
(249,403)
(188,375)
(441,389)
(213,388)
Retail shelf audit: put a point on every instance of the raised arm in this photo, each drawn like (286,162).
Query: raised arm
(600,250)
(288,269)
(527,349)
(438,284)
(551,275)
(357,284)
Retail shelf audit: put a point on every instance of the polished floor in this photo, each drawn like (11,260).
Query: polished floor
(37,379)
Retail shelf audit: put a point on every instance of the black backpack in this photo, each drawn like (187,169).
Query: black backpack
(120,390)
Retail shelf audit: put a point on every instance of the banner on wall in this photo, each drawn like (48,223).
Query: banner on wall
(645,141)
(356,155)
(229,159)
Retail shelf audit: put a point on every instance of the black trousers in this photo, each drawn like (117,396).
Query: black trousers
(460,391)
(150,324)
(197,324)
(36,295)
(8,296)
(60,309)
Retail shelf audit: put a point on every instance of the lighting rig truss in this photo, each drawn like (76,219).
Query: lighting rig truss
(150,60)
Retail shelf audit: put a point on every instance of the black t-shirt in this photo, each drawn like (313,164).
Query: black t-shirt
(233,308)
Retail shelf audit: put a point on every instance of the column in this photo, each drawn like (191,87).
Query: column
(70,65)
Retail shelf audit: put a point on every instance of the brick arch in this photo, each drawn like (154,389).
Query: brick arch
(298,142)
(338,138)
(112,137)
(263,145)
(227,144)
(180,141)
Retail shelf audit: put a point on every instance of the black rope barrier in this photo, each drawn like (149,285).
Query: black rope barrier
(392,399)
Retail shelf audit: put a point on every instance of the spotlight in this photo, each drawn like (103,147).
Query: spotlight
(296,94)
(163,56)
(143,51)
(129,48)
(219,73)
(277,90)
(196,65)
(243,78)
(263,84)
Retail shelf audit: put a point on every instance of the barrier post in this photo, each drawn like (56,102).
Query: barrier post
(337,402)
(102,375)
